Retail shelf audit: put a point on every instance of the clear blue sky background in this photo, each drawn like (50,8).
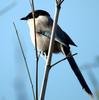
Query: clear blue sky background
(79,18)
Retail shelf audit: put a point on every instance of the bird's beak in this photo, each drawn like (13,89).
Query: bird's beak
(24,18)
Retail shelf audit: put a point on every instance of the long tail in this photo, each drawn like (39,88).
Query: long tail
(76,70)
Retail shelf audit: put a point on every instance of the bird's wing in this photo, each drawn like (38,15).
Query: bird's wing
(61,36)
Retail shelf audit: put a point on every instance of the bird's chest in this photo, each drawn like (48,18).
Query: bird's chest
(41,27)
(42,41)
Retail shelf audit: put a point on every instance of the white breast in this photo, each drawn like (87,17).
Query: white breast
(42,41)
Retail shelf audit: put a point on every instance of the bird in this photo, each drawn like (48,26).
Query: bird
(62,42)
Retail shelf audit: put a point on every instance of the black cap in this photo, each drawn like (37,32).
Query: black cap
(37,13)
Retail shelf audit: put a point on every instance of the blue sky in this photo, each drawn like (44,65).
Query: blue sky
(80,19)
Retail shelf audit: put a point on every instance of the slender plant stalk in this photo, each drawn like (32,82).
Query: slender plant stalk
(37,58)
(63,59)
(27,68)
(48,61)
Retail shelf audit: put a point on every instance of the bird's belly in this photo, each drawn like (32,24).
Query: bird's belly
(43,43)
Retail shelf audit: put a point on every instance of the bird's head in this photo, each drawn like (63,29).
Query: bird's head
(37,13)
